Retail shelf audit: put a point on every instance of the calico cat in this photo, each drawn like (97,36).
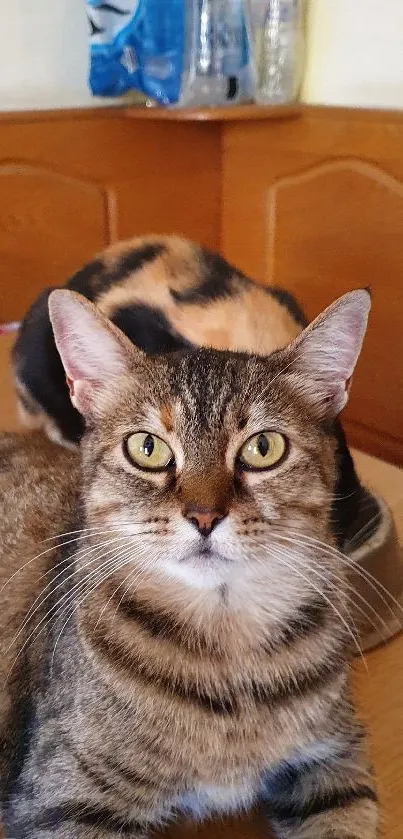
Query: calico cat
(166,294)
(186,649)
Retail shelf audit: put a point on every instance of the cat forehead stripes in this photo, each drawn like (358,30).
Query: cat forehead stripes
(319,362)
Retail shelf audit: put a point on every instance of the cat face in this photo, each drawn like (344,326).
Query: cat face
(217,467)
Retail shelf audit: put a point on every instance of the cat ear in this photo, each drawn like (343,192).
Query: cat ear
(326,353)
(93,351)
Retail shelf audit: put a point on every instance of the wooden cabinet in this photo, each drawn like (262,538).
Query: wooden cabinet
(73,182)
(316,205)
(310,199)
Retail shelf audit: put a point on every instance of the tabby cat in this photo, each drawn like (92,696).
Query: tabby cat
(165,294)
(184,648)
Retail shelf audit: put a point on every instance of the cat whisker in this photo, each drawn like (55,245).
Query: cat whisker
(40,599)
(365,530)
(381,591)
(81,554)
(136,572)
(78,603)
(348,587)
(368,525)
(280,373)
(62,603)
(90,531)
(351,597)
(118,557)
(33,559)
(344,497)
(125,560)
(322,594)
(71,593)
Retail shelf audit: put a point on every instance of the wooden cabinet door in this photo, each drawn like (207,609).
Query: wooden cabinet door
(73,182)
(316,205)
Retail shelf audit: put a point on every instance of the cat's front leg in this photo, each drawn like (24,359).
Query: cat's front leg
(326,793)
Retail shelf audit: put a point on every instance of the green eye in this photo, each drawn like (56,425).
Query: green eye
(263,450)
(148,451)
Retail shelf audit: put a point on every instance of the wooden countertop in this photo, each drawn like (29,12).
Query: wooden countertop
(234,113)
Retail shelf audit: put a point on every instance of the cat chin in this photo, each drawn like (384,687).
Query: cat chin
(197,573)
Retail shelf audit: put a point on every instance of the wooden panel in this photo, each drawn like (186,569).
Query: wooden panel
(39,210)
(316,205)
(72,184)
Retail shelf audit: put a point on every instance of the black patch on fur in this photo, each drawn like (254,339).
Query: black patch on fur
(118,655)
(37,361)
(128,776)
(101,783)
(218,279)
(88,281)
(308,618)
(289,302)
(160,624)
(20,726)
(39,368)
(132,261)
(321,802)
(148,329)
(301,684)
(95,278)
(83,815)
(157,623)
(351,511)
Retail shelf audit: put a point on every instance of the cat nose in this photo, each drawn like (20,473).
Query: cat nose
(204,520)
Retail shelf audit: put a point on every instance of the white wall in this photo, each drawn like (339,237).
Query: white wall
(43,54)
(355,53)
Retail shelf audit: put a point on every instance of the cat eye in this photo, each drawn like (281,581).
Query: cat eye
(262,451)
(148,451)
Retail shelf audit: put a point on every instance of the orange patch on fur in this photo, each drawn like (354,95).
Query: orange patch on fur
(166,417)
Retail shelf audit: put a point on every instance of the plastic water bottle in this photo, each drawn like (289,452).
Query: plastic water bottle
(220,60)
(280,52)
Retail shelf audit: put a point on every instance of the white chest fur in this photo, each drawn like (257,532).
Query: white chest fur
(208,800)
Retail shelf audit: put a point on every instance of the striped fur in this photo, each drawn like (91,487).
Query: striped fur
(208,680)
